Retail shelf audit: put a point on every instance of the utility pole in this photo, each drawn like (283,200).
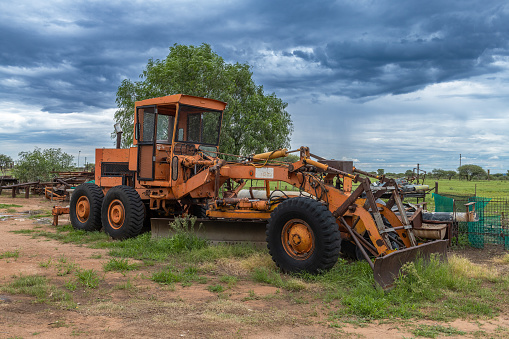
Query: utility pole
(460,159)
(79,152)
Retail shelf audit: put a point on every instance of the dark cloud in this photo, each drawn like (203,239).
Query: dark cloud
(383,47)
(71,56)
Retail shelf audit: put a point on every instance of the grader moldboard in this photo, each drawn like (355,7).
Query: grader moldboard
(174,169)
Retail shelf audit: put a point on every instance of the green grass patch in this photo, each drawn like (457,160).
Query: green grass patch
(143,247)
(120,265)
(215,288)
(274,278)
(67,234)
(88,278)
(9,205)
(434,291)
(24,231)
(40,288)
(9,254)
(433,331)
(229,280)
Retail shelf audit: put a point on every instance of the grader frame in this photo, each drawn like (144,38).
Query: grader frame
(174,168)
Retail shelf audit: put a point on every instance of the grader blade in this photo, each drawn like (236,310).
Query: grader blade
(218,231)
(386,269)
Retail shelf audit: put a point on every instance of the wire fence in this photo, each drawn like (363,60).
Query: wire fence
(492,223)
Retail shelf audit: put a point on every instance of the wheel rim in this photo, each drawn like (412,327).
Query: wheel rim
(298,239)
(116,214)
(82,209)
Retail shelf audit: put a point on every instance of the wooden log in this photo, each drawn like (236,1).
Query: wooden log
(21,185)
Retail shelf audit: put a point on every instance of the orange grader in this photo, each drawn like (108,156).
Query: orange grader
(174,168)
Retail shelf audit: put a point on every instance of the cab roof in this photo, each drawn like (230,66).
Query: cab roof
(185,100)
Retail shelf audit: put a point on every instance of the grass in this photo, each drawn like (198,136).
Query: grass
(229,280)
(435,291)
(433,331)
(40,288)
(439,292)
(9,254)
(88,278)
(482,188)
(216,288)
(492,188)
(274,278)
(9,205)
(120,265)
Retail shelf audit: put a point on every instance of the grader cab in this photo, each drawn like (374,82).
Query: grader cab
(175,168)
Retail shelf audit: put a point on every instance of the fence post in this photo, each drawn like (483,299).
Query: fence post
(436,187)
(14,192)
(27,192)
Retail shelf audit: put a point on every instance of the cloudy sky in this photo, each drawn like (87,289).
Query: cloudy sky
(388,84)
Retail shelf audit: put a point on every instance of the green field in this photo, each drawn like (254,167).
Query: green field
(482,188)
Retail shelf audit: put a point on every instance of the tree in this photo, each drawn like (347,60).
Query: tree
(498,176)
(39,164)
(450,174)
(438,173)
(471,171)
(89,167)
(5,161)
(252,122)
(409,173)
(380,172)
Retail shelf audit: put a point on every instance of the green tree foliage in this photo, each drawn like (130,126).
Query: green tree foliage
(89,167)
(380,171)
(39,164)
(498,176)
(5,161)
(409,173)
(450,174)
(253,122)
(438,173)
(471,172)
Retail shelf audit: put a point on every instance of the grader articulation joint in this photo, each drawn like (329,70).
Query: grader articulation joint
(174,168)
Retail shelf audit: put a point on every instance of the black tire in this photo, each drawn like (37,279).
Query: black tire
(85,207)
(123,213)
(316,240)
(199,211)
(352,251)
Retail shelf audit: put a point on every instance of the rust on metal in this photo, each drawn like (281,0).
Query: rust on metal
(56,211)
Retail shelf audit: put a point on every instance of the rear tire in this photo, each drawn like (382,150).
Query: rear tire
(123,213)
(85,207)
(302,235)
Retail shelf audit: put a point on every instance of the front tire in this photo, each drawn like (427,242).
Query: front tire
(302,235)
(123,212)
(85,207)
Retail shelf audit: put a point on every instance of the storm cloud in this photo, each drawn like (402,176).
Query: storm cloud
(386,83)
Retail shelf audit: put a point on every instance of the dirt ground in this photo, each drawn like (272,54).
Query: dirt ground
(147,309)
